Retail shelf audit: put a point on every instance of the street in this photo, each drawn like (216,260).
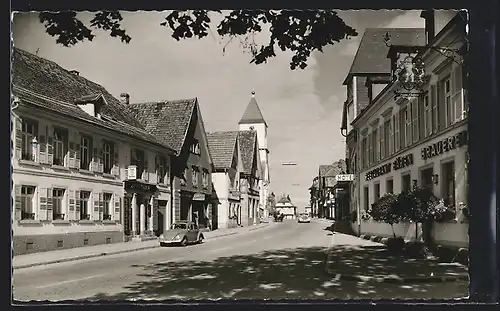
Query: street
(283,261)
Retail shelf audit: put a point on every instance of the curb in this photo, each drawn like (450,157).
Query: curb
(112,253)
(398,280)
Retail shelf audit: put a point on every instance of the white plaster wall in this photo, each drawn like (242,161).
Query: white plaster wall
(452,234)
(220,181)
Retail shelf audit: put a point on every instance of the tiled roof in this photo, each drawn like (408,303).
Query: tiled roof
(44,77)
(46,85)
(371,56)
(252,113)
(247,140)
(222,146)
(336,168)
(168,121)
(323,169)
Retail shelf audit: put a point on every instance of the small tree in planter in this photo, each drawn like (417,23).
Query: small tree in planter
(443,213)
(385,210)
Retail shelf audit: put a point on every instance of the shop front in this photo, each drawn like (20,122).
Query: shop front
(140,209)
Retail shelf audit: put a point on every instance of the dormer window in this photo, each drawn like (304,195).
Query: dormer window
(91,104)
(195,147)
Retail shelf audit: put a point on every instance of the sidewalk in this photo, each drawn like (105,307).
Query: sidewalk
(79,253)
(366,261)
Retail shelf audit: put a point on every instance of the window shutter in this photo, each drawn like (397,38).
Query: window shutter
(396,132)
(155,213)
(78,155)
(381,140)
(458,98)
(71,154)
(95,206)
(78,204)
(43,149)
(50,150)
(441,108)
(157,169)
(434,108)
(101,206)
(42,201)
(18,204)
(50,214)
(100,167)
(145,172)
(117,207)
(391,136)
(116,161)
(19,140)
(421,117)
(71,205)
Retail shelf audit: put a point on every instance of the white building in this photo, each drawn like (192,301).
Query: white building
(252,119)
(421,140)
(73,143)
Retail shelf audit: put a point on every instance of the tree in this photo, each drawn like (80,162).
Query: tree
(298,31)
(384,209)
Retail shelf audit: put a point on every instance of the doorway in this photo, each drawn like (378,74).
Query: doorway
(161,216)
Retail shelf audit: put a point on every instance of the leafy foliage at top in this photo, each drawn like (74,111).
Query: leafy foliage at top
(298,31)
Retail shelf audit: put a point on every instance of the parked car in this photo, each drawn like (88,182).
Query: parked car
(182,233)
(304,217)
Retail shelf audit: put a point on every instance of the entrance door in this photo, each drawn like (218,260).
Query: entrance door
(162,214)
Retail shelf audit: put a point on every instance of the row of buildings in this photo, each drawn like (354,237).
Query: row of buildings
(90,168)
(405,123)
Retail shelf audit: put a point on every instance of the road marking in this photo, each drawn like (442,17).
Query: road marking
(72,281)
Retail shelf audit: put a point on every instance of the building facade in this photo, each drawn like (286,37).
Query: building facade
(253,119)
(72,143)
(419,140)
(228,166)
(179,124)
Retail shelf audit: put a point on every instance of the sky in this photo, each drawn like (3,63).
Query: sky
(302,107)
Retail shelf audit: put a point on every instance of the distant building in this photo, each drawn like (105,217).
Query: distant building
(285,206)
(252,119)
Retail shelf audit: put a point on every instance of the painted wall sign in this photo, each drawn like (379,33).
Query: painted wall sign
(199,197)
(132,185)
(453,142)
(399,163)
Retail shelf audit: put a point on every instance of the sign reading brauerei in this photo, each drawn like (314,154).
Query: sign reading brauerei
(399,163)
(452,142)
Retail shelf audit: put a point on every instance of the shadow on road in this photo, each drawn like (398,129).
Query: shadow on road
(278,274)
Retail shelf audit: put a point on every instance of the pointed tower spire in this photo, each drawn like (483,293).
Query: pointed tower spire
(252,113)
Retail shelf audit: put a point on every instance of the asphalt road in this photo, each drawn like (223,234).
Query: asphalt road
(283,261)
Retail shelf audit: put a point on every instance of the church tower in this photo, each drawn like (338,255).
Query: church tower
(252,119)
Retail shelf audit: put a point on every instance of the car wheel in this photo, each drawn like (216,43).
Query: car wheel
(200,239)
(184,241)
(162,245)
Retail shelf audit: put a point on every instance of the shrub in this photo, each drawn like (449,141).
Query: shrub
(441,212)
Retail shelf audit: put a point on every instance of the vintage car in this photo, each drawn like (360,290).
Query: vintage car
(182,233)
(304,217)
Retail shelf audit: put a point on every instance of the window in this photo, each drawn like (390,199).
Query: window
(448,184)
(387,137)
(138,159)
(57,203)
(364,150)
(184,177)
(161,169)
(449,109)
(415,121)
(108,157)
(370,149)
(366,198)
(60,145)
(29,131)
(205,175)
(85,152)
(194,176)
(376,192)
(408,127)
(27,210)
(84,205)
(389,186)
(375,145)
(427,116)
(434,109)
(402,127)
(396,140)
(405,182)
(108,208)
(459,100)
(426,177)
(195,147)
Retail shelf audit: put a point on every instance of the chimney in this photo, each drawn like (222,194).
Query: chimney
(430,28)
(125,98)
(74,72)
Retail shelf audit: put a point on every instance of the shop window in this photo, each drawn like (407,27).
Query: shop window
(406,182)
(448,182)
(57,203)
(389,186)
(376,192)
(27,209)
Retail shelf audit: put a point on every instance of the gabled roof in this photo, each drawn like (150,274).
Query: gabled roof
(371,56)
(168,121)
(46,85)
(222,147)
(336,168)
(252,113)
(44,77)
(247,141)
(323,169)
